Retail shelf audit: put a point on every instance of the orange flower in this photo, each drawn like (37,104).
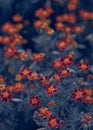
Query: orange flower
(65,17)
(61,45)
(64,72)
(87,119)
(84,66)
(2,79)
(34,101)
(18,87)
(77,29)
(51,90)
(41,13)
(6,27)
(71,6)
(67,29)
(72,18)
(10,51)
(59,19)
(38,56)
(44,81)
(10,88)
(6,40)
(56,64)
(84,14)
(23,56)
(2,86)
(88,91)
(51,103)
(57,77)
(50,30)
(6,95)
(90,76)
(88,99)
(59,26)
(66,61)
(32,76)
(49,10)
(32,86)
(18,77)
(78,94)
(53,122)
(25,72)
(44,112)
(17,18)
(38,23)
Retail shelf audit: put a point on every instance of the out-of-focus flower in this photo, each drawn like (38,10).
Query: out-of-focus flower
(87,119)
(77,29)
(72,18)
(42,13)
(88,99)
(32,86)
(44,80)
(17,18)
(88,91)
(9,51)
(51,103)
(2,86)
(34,101)
(38,56)
(84,14)
(2,78)
(53,122)
(59,26)
(61,45)
(10,87)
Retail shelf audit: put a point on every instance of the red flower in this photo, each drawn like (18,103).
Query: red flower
(67,61)
(64,72)
(25,72)
(34,101)
(53,122)
(10,51)
(59,26)
(57,77)
(6,95)
(78,94)
(84,66)
(56,64)
(38,56)
(44,80)
(32,76)
(61,45)
(44,112)
(51,90)
(87,119)
(18,87)
(41,13)
(88,99)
